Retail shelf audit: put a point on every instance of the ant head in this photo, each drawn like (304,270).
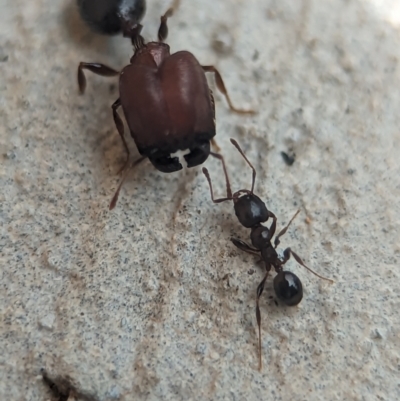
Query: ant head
(110,17)
(250,209)
(288,288)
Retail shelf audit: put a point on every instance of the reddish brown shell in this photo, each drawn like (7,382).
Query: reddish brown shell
(166,100)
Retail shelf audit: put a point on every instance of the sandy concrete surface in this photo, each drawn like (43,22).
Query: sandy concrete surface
(152,301)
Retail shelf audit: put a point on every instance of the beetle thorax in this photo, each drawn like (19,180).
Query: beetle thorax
(152,51)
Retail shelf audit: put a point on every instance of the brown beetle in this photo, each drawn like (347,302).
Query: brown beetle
(166,102)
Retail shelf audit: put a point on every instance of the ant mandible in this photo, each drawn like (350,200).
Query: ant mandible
(251,211)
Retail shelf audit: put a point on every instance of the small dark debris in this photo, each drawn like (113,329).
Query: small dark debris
(3,56)
(62,395)
(10,155)
(288,159)
(250,272)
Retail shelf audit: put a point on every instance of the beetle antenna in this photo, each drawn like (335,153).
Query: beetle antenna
(236,145)
(114,200)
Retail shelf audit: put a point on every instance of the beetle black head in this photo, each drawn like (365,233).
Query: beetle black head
(199,153)
(163,162)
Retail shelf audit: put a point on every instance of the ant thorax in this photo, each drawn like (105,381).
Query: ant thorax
(280,254)
(260,236)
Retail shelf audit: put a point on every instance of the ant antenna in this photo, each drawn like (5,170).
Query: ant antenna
(300,262)
(114,200)
(284,229)
(236,145)
(289,252)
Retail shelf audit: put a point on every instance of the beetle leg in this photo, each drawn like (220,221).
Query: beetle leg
(163,29)
(115,197)
(212,104)
(99,69)
(221,86)
(120,127)
(215,145)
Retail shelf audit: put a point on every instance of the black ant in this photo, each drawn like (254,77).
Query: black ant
(251,212)
(110,17)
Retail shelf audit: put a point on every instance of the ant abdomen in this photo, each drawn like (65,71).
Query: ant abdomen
(250,210)
(288,288)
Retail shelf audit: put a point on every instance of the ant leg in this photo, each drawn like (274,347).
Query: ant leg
(115,197)
(284,229)
(96,68)
(163,29)
(120,127)
(222,89)
(228,184)
(206,173)
(287,252)
(272,228)
(260,290)
(236,145)
(245,247)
